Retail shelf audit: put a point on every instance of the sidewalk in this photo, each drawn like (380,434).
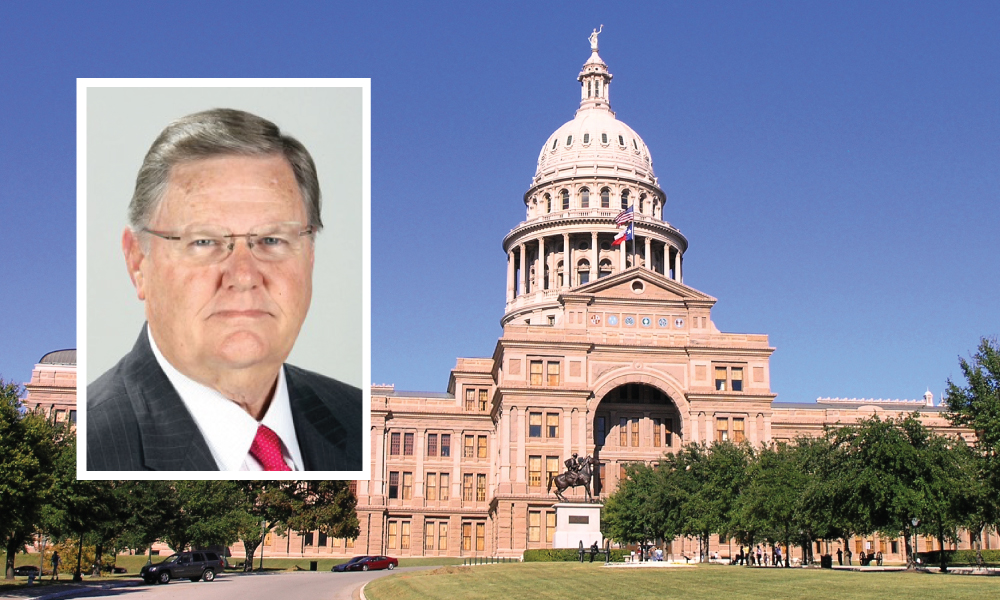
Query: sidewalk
(65,590)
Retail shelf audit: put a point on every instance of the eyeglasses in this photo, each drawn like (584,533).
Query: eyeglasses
(206,245)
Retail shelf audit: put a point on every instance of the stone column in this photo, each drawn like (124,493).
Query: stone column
(510,276)
(648,256)
(418,475)
(680,274)
(540,269)
(666,259)
(521,277)
(504,425)
(677,265)
(567,261)
(595,250)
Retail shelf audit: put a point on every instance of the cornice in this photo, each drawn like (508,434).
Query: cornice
(650,226)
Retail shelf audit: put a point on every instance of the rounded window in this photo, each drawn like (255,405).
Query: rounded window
(554,142)
(604,138)
(569,140)
(605,245)
(621,140)
(584,194)
(586,138)
(638,287)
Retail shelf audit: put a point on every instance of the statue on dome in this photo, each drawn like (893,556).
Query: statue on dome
(593,38)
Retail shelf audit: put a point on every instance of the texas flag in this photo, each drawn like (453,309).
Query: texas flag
(624,236)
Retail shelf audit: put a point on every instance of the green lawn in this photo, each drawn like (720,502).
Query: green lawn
(571,581)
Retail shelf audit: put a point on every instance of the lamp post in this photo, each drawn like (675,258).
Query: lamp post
(915,521)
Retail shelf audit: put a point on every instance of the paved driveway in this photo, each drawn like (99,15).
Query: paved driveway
(320,585)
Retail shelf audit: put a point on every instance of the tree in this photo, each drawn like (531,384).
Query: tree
(632,514)
(27,451)
(203,513)
(977,406)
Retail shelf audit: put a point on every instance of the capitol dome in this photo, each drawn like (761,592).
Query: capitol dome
(594,139)
(593,195)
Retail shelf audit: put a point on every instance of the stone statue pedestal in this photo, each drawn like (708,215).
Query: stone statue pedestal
(575,523)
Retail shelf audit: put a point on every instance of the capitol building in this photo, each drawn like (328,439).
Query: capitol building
(605,352)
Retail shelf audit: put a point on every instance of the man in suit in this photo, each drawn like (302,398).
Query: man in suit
(220,249)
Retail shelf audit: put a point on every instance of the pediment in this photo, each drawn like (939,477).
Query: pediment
(639,284)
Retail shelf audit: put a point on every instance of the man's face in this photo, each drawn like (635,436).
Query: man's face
(241,312)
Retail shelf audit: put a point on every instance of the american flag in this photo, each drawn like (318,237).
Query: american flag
(625,216)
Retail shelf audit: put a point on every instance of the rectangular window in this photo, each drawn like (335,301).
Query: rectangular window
(480,537)
(322,539)
(407,444)
(353,486)
(551,468)
(481,487)
(470,399)
(432,444)
(622,473)
(308,541)
(722,430)
(484,400)
(481,446)
(394,443)
(467,487)
(445,444)
(348,543)
(466,536)
(470,446)
(393,527)
(635,432)
(534,526)
(553,374)
(657,433)
(72,416)
(536,372)
(534,471)
(393,484)
(737,377)
(442,536)
(550,526)
(432,486)
(445,489)
(407,486)
(895,547)
(738,432)
(428,535)
(623,432)
(535,425)
(404,536)
(552,425)
(669,426)
(602,430)
(720,379)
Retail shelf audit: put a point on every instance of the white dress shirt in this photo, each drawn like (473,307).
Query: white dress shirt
(227,428)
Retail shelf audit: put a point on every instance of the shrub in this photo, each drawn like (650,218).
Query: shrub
(959,557)
(569,555)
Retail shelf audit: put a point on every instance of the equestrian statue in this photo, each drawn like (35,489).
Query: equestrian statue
(579,471)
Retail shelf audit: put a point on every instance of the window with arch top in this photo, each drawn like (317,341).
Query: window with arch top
(584,198)
(548,203)
(565,199)
(605,198)
(624,199)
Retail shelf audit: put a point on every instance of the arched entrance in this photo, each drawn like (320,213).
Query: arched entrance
(633,422)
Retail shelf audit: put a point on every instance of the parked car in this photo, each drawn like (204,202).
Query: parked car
(25,570)
(367,563)
(190,565)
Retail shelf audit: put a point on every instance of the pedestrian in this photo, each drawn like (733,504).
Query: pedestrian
(758,555)
(840,557)
(55,565)
(849,554)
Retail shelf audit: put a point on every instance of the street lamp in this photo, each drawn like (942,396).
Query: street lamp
(915,521)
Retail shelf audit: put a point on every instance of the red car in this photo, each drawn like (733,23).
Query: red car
(367,563)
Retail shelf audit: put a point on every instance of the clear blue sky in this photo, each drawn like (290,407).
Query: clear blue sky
(833,165)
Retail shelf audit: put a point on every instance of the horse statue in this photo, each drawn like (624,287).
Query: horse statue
(571,478)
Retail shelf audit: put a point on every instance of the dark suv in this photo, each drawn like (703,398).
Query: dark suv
(192,565)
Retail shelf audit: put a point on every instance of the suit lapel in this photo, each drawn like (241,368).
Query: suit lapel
(320,433)
(169,436)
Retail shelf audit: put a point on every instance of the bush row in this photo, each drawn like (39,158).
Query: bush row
(568,555)
(959,557)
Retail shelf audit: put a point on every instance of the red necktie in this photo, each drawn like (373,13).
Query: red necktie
(266,448)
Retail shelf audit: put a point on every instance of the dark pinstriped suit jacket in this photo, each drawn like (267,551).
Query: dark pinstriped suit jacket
(136,421)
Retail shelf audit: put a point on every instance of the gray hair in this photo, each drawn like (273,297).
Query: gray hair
(219,132)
